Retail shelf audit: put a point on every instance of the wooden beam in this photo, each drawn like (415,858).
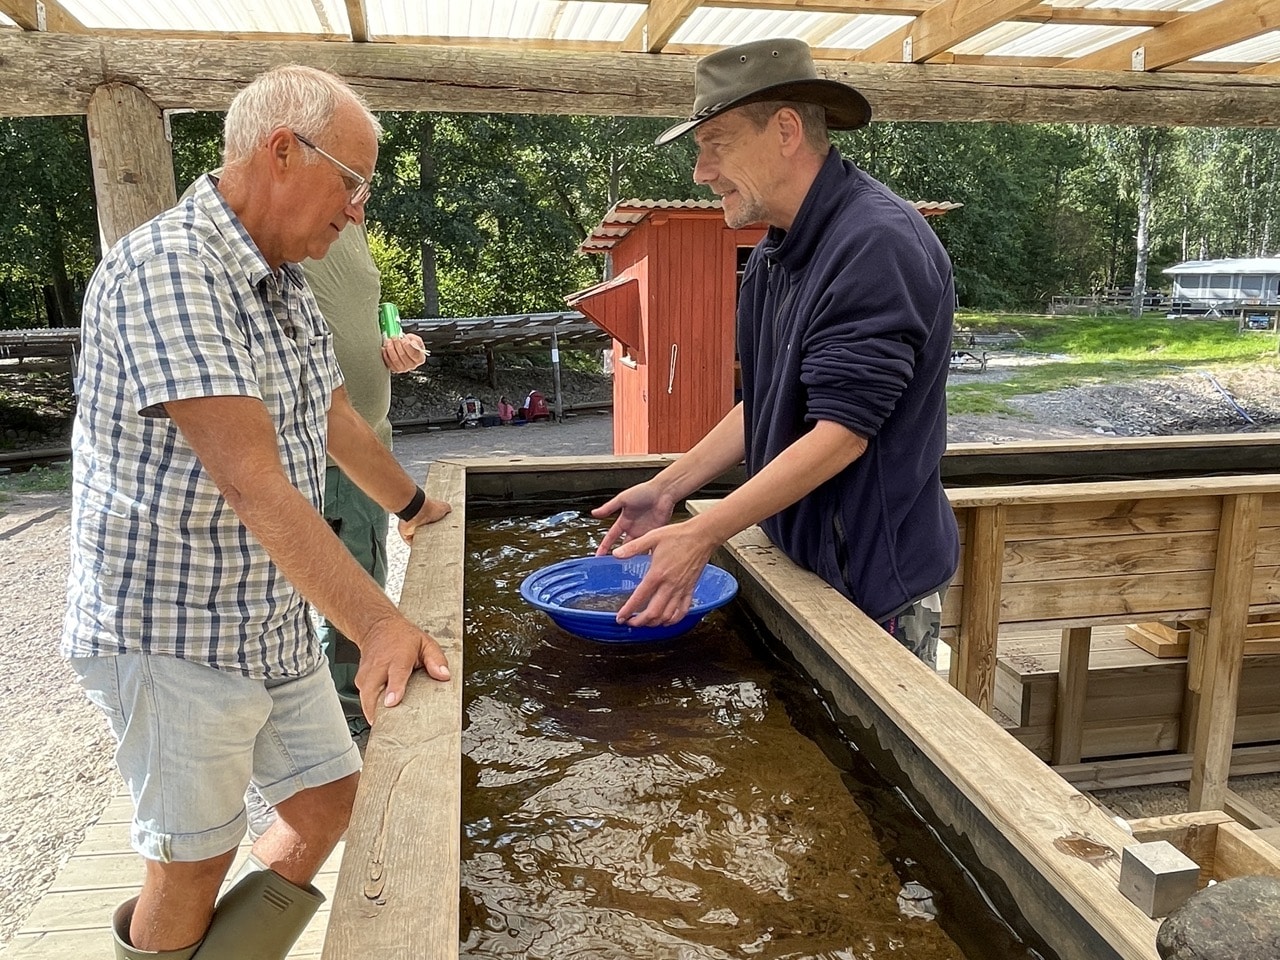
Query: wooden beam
(980,605)
(1242,853)
(1212,28)
(1248,814)
(41,16)
(1264,70)
(358,19)
(1041,13)
(1073,688)
(940,28)
(132,160)
(657,25)
(397,893)
(1170,768)
(1224,650)
(51,74)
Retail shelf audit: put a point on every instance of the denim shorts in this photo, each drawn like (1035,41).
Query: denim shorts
(190,738)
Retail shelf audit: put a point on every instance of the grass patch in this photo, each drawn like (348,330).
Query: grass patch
(54,479)
(1102,349)
(1188,341)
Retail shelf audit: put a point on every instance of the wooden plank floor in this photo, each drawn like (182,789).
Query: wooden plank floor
(74,918)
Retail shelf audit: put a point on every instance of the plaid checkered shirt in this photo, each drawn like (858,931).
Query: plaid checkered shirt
(185,306)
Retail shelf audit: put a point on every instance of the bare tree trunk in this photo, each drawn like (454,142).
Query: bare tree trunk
(427,185)
(1148,142)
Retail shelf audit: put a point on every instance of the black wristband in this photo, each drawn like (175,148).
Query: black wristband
(411,511)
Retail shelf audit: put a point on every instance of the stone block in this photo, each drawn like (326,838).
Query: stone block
(1157,876)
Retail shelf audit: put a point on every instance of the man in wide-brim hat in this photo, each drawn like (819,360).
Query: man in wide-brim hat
(844,336)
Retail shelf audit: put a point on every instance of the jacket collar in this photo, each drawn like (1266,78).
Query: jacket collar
(793,248)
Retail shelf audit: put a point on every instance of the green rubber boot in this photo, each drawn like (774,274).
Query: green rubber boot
(127,951)
(259,918)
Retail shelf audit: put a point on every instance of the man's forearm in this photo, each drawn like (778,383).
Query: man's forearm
(722,448)
(796,472)
(356,449)
(308,553)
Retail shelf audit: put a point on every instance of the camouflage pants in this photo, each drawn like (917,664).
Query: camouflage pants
(917,627)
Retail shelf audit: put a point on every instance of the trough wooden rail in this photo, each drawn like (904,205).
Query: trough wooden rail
(1073,556)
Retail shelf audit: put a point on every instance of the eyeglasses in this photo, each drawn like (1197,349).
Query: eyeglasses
(360,192)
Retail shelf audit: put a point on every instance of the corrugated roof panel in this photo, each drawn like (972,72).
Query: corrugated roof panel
(861,32)
(216,16)
(585,20)
(720,26)
(1044,40)
(1265,48)
(1186,6)
(598,21)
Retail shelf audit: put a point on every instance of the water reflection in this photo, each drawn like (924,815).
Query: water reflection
(652,801)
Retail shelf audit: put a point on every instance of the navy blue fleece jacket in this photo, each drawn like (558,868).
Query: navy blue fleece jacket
(847,317)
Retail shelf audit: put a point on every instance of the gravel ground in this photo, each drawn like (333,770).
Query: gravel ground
(57,772)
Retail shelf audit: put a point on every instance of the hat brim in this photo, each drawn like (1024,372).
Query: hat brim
(846,108)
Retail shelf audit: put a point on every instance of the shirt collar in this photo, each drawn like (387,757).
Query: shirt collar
(244,252)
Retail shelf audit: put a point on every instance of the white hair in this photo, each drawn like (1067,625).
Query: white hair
(303,99)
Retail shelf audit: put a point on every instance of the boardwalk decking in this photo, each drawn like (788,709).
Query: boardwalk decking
(74,918)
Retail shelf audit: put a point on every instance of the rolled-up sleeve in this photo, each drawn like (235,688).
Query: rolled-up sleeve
(179,339)
(869,325)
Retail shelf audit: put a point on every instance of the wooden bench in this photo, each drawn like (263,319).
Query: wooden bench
(1073,556)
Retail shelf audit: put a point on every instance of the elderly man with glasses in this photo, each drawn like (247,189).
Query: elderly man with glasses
(207,392)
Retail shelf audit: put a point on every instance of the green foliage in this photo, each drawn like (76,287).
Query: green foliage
(401,278)
(197,145)
(48,231)
(483,213)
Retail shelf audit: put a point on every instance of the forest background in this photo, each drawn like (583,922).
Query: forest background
(479,214)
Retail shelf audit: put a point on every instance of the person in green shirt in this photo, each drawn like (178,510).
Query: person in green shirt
(347,288)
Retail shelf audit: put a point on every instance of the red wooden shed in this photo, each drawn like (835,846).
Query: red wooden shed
(670,309)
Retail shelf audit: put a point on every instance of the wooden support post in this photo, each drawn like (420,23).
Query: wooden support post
(1223,653)
(1073,683)
(980,605)
(132,159)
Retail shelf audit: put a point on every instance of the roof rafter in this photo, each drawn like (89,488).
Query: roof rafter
(357,16)
(941,27)
(1040,13)
(48,15)
(659,23)
(1212,28)
(1119,16)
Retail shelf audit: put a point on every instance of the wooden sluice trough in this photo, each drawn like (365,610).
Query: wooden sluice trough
(1050,852)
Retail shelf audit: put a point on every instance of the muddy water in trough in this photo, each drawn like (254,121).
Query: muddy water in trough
(684,799)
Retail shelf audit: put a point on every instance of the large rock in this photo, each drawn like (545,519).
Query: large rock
(1237,919)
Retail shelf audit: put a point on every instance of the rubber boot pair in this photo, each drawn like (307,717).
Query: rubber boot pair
(259,918)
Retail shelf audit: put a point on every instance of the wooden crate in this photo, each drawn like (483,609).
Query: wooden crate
(1134,699)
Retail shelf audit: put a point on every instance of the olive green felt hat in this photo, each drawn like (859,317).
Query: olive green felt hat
(767,70)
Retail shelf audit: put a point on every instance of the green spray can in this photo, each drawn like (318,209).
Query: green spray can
(389,320)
